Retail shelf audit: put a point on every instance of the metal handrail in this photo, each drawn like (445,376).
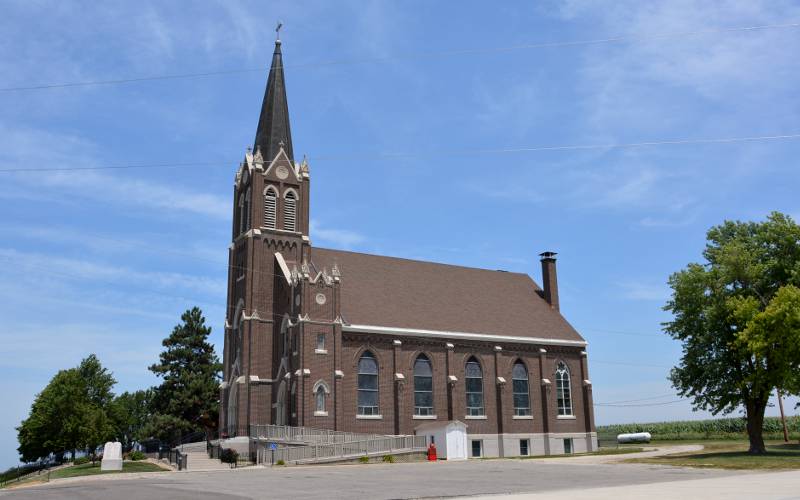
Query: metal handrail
(308,435)
(363,447)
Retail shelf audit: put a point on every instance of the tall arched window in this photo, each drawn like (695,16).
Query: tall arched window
(270,207)
(563,390)
(290,211)
(519,381)
(473,377)
(423,386)
(368,384)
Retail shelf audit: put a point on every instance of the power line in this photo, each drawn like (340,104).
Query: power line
(625,363)
(638,400)
(632,334)
(418,55)
(475,152)
(608,405)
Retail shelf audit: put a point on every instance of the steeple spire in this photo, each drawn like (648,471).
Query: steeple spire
(273,124)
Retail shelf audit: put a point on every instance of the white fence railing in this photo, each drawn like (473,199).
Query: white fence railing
(307,435)
(372,446)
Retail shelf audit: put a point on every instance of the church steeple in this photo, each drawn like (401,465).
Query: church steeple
(273,124)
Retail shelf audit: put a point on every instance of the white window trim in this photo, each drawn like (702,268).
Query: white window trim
(566,417)
(424,417)
(522,417)
(320,351)
(320,413)
(369,417)
(475,417)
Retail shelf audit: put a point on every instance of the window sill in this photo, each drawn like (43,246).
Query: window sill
(565,417)
(369,417)
(475,417)
(320,351)
(522,417)
(320,413)
(424,417)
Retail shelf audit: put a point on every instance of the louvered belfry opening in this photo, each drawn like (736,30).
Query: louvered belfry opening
(290,212)
(270,208)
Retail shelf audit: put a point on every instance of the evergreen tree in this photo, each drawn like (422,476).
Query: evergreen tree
(188,398)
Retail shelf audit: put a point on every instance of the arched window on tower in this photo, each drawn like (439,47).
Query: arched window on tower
(244,218)
(319,398)
(519,381)
(368,384)
(563,390)
(270,207)
(473,378)
(290,211)
(423,386)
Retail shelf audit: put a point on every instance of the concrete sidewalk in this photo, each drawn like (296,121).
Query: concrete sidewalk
(770,485)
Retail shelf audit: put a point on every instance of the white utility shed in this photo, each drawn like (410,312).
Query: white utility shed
(450,438)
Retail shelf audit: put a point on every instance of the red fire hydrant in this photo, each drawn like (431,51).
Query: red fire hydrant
(432,453)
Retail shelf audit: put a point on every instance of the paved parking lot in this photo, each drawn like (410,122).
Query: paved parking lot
(374,481)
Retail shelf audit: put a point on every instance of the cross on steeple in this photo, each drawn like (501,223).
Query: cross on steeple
(278,31)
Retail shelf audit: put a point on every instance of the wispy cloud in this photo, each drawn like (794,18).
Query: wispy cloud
(644,291)
(341,237)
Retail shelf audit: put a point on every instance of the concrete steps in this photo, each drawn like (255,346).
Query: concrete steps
(199,461)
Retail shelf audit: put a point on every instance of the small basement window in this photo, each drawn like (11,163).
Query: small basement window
(568,445)
(476,448)
(523,447)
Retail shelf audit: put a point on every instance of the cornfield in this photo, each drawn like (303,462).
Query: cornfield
(720,428)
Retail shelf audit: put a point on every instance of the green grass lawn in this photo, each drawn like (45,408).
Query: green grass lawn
(89,469)
(731,455)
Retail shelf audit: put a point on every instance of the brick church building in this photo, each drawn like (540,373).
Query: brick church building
(366,343)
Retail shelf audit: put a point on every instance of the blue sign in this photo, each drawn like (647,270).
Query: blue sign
(273,446)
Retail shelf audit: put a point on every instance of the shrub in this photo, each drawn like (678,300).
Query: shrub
(280,462)
(136,455)
(81,461)
(389,459)
(228,456)
(364,459)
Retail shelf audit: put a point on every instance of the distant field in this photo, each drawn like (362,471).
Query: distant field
(695,430)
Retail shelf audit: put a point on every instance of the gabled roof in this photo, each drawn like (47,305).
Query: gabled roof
(273,123)
(411,294)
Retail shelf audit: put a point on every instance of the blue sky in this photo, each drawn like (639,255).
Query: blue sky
(105,261)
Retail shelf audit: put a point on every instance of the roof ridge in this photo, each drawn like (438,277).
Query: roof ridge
(423,261)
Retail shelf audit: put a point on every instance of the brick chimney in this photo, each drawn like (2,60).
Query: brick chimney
(549,279)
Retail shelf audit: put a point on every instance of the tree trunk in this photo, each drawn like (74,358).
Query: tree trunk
(755,425)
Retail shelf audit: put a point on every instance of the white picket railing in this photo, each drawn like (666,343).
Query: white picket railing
(308,435)
(363,447)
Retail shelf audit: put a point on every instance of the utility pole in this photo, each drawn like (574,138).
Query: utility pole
(783,417)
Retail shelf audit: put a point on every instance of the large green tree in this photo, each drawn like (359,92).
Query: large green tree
(131,413)
(70,413)
(731,311)
(188,398)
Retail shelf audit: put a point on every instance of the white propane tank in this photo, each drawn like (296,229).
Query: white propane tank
(638,437)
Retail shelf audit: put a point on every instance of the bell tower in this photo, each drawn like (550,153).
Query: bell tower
(269,240)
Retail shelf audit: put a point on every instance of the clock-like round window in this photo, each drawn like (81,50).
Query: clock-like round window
(282,172)
(321,299)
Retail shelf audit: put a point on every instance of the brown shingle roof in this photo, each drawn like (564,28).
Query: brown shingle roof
(402,293)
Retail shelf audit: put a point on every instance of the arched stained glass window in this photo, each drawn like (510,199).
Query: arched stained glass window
(423,386)
(563,390)
(519,382)
(473,379)
(368,384)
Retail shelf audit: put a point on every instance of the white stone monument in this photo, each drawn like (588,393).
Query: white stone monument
(112,456)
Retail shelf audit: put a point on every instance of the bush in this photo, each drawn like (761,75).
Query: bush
(364,459)
(280,462)
(81,461)
(136,455)
(228,456)
(389,459)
